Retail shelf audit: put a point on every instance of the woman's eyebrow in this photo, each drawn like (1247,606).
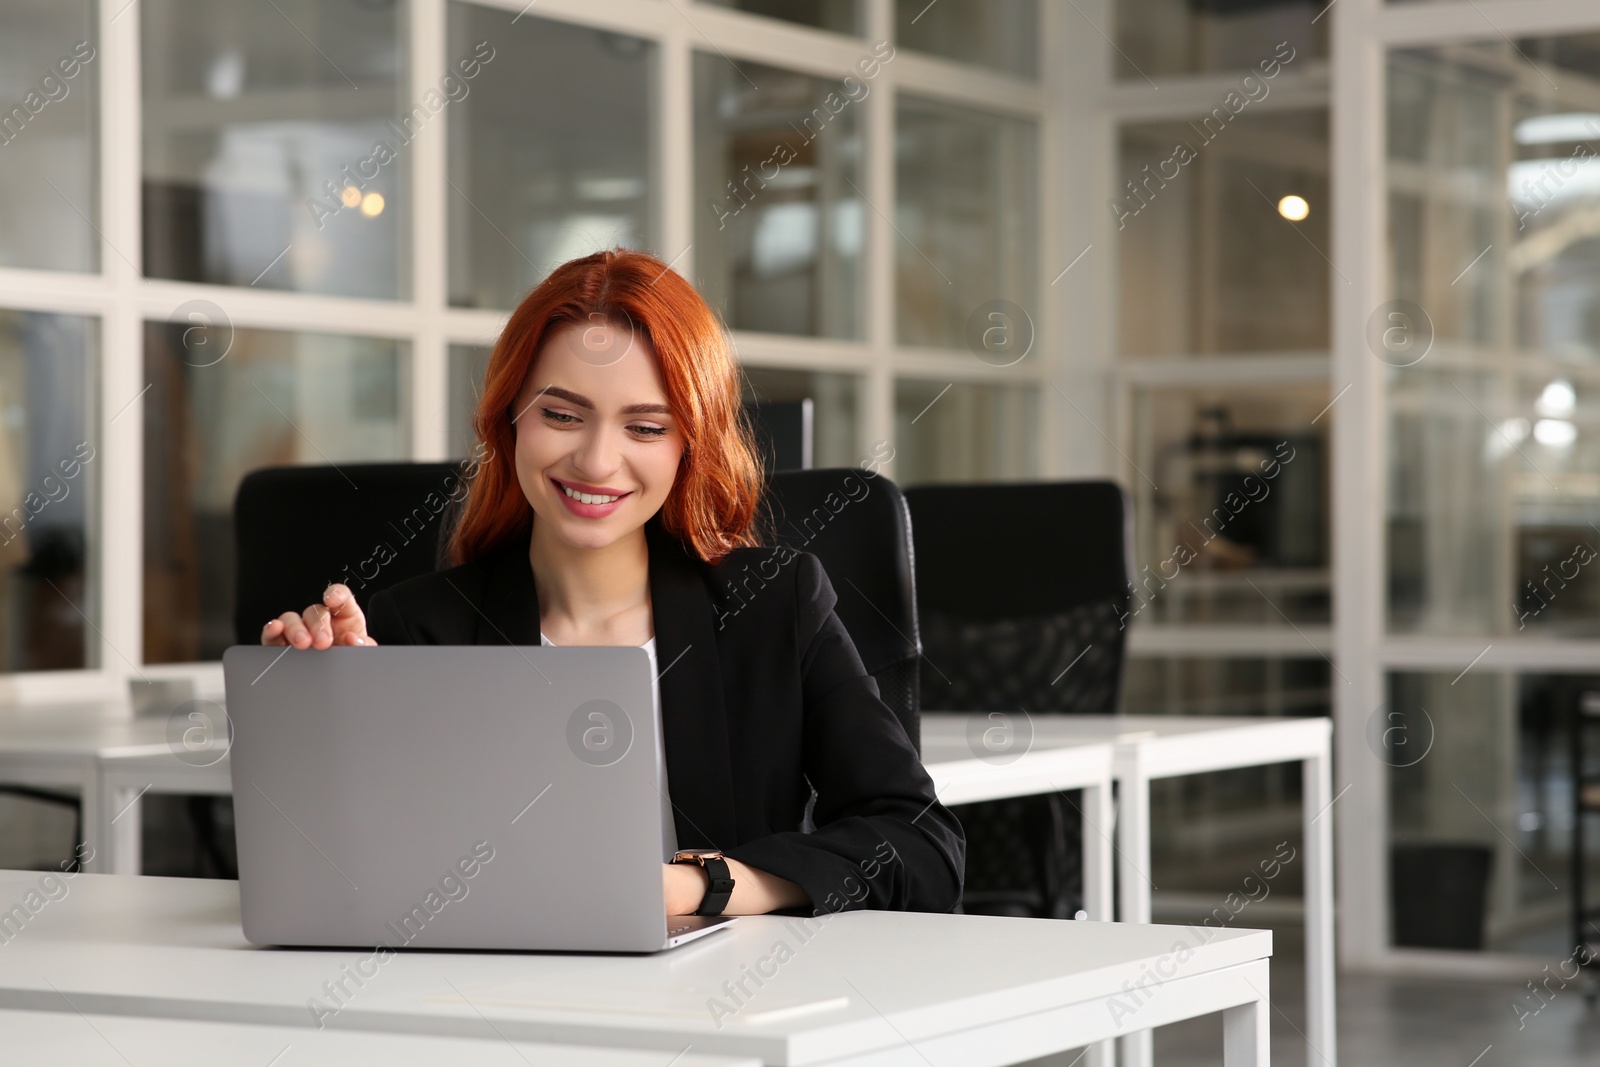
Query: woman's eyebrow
(584,402)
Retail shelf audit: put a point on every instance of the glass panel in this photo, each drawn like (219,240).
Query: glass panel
(1237,531)
(1003,34)
(49,109)
(275,399)
(1492,352)
(275,144)
(49,491)
(841,16)
(1493,501)
(778,243)
(468,364)
(1482,806)
(1211,258)
(966,212)
(1156,37)
(835,400)
(1208,829)
(539,173)
(964,432)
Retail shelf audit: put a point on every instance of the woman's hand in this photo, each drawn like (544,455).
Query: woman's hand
(335,621)
(754,892)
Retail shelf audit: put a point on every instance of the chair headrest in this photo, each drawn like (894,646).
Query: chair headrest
(857,524)
(992,551)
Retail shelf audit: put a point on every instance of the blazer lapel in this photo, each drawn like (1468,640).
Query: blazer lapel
(694,721)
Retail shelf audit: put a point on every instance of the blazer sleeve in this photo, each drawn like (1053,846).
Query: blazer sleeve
(882,839)
(385,623)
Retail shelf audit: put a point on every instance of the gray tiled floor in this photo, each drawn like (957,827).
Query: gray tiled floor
(1386,1021)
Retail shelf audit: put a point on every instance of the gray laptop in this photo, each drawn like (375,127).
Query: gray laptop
(450,797)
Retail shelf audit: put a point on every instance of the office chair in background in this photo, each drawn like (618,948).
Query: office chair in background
(1022,591)
(380,523)
(857,524)
(374,524)
(296,529)
(865,546)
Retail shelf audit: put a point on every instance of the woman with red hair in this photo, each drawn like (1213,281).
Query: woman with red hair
(616,505)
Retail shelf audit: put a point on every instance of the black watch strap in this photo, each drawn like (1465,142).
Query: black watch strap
(720,891)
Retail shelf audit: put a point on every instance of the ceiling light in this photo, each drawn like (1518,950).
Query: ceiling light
(1294,208)
(1558,400)
(1555,433)
(225,78)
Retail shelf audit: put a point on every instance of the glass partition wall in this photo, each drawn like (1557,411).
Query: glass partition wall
(1424,348)
(239,234)
(1467,502)
(1219,212)
(1492,422)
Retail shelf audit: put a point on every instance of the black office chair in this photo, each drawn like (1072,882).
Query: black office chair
(857,524)
(296,529)
(1022,592)
(368,525)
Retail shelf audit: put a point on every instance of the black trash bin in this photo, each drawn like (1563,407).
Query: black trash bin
(1439,894)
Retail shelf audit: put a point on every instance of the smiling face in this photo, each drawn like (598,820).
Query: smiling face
(597,446)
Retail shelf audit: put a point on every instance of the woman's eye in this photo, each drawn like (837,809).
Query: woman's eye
(651,431)
(561,418)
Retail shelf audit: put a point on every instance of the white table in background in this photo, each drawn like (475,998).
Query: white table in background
(961,777)
(127,772)
(887,989)
(58,746)
(108,757)
(65,1037)
(1148,747)
(124,775)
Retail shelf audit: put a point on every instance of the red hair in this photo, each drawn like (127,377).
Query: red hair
(713,503)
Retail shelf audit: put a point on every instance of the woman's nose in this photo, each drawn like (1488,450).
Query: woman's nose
(598,456)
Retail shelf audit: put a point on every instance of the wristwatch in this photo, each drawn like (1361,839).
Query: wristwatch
(716,867)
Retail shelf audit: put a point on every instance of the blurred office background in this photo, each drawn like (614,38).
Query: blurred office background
(1191,216)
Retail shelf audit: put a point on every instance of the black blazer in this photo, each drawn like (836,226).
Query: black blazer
(763,698)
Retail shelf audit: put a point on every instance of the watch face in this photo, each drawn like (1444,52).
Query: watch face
(696,855)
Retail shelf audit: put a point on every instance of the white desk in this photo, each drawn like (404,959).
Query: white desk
(110,759)
(124,775)
(58,746)
(887,989)
(962,777)
(1161,746)
(36,1037)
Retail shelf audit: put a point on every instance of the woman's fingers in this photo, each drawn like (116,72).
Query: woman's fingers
(347,616)
(288,629)
(338,620)
(319,621)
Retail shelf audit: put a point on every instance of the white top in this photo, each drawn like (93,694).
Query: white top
(669,832)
